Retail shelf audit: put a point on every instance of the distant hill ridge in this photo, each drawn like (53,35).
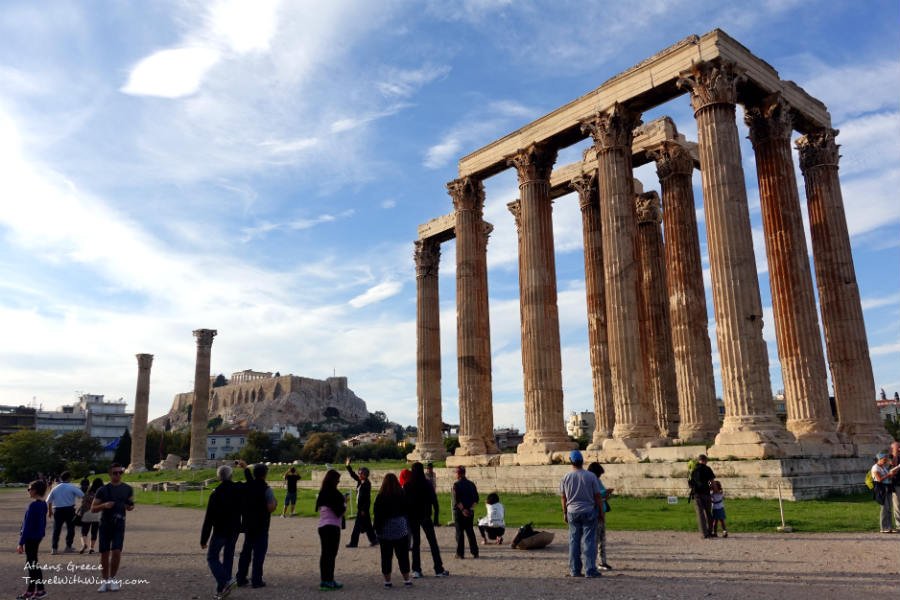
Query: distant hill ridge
(264,400)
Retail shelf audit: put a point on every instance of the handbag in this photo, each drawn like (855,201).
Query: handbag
(880,493)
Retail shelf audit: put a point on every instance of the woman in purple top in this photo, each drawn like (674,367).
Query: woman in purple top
(330,504)
(33,527)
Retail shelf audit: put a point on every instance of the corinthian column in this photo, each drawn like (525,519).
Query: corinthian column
(842,317)
(793,302)
(750,429)
(473,332)
(139,421)
(653,314)
(687,298)
(541,359)
(604,413)
(635,425)
(429,440)
(200,406)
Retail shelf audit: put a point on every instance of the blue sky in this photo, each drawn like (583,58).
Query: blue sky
(260,168)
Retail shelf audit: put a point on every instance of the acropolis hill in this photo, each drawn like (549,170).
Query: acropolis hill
(263,400)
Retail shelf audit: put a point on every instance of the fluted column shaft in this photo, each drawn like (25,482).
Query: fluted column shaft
(139,420)
(750,428)
(842,316)
(541,357)
(687,297)
(793,300)
(612,132)
(473,332)
(653,314)
(429,441)
(595,288)
(200,409)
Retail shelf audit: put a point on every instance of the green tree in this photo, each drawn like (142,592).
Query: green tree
(123,450)
(77,450)
(451,444)
(220,381)
(214,423)
(320,448)
(26,453)
(893,427)
(288,449)
(258,448)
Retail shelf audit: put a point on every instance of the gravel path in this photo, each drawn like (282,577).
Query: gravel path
(162,548)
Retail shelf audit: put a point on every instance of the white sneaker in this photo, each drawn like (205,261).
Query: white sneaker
(114,585)
(417,574)
(104,587)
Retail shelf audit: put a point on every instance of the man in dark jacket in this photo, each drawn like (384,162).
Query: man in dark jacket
(259,504)
(422,502)
(363,522)
(701,476)
(465,497)
(220,530)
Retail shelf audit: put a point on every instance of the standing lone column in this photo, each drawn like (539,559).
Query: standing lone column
(473,332)
(653,312)
(635,425)
(750,429)
(429,442)
(687,298)
(139,421)
(793,302)
(842,317)
(604,413)
(200,410)
(541,359)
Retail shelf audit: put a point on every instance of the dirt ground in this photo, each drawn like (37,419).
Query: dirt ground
(162,548)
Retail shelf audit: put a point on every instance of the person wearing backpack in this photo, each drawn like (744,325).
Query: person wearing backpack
(883,475)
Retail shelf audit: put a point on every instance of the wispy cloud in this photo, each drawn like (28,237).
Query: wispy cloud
(475,129)
(265,227)
(377,293)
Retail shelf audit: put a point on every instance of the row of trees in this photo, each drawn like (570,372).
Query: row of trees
(323,447)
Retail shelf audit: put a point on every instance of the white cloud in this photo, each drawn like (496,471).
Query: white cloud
(377,293)
(870,303)
(171,73)
(402,83)
(885,349)
(244,25)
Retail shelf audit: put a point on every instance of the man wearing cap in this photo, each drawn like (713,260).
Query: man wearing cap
(363,523)
(582,500)
(465,497)
(699,481)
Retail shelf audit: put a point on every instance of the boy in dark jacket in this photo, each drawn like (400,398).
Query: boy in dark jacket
(363,522)
(33,527)
(221,527)
(259,504)
(423,503)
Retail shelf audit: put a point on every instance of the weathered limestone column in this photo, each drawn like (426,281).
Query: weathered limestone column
(793,301)
(429,442)
(687,298)
(604,413)
(635,425)
(200,410)
(473,341)
(139,421)
(541,359)
(842,317)
(750,429)
(653,314)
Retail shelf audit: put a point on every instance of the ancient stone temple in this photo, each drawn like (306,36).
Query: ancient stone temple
(651,362)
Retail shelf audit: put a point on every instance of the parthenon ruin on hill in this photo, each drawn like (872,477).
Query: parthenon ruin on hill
(646,306)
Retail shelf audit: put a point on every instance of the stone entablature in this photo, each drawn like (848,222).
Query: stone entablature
(249,375)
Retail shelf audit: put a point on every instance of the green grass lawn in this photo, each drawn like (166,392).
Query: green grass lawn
(846,513)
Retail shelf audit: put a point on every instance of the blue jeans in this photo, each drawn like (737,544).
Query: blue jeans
(583,542)
(221,569)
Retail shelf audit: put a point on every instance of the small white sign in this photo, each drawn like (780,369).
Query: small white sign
(672,499)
